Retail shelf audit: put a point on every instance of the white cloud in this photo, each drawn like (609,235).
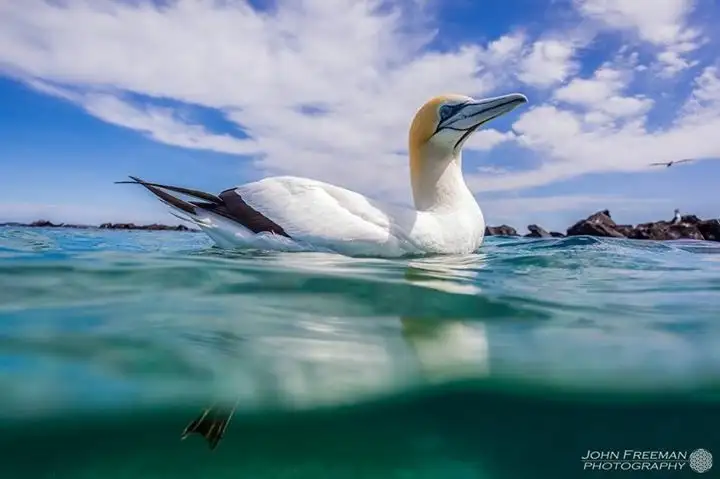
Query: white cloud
(540,64)
(704,102)
(362,69)
(661,23)
(488,139)
(327,88)
(548,62)
(506,46)
(571,147)
(161,124)
(602,96)
(656,21)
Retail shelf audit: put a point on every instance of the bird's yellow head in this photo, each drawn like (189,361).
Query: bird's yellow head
(437,134)
(447,121)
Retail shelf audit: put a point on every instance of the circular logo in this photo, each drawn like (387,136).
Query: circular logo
(700,461)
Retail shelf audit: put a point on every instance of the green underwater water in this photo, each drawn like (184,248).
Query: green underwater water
(509,363)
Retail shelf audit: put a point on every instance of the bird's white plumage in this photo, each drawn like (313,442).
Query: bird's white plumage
(321,216)
(318,216)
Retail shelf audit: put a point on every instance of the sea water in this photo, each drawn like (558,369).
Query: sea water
(518,361)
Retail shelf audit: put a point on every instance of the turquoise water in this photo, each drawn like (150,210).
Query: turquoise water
(509,363)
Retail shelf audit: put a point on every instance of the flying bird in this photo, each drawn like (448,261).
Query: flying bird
(288,213)
(668,164)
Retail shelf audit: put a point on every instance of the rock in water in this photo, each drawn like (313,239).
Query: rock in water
(44,224)
(691,219)
(710,229)
(537,232)
(624,229)
(502,230)
(597,224)
(663,230)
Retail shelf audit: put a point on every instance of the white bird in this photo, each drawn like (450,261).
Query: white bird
(290,213)
(677,218)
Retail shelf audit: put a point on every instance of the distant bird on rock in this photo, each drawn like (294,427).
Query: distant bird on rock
(677,218)
(668,164)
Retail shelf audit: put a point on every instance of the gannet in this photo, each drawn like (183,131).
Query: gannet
(668,164)
(292,213)
(677,218)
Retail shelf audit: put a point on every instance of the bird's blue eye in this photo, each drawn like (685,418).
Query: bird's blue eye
(445,112)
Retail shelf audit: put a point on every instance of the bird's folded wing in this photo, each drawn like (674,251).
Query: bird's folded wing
(317,212)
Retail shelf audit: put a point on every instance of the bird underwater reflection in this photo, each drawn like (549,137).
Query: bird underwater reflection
(442,348)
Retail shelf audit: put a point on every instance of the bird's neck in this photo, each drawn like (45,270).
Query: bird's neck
(437,180)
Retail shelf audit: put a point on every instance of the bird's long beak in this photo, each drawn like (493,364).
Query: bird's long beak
(472,114)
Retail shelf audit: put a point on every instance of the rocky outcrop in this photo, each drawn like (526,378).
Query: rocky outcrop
(44,224)
(689,227)
(664,230)
(602,224)
(536,231)
(502,230)
(108,226)
(597,224)
(152,227)
(710,229)
(624,229)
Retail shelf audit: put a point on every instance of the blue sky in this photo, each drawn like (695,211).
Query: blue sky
(213,94)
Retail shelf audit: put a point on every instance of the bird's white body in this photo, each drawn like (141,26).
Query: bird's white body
(289,213)
(323,217)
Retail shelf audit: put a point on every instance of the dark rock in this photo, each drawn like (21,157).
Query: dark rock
(537,232)
(664,230)
(597,224)
(624,229)
(684,231)
(690,219)
(557,234)
(602,224)
(151,227)
(647,230)
(44,224)
(502,230)
(110,226)
(118,226)
(710,229)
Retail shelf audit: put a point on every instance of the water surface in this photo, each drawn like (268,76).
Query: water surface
(509,363)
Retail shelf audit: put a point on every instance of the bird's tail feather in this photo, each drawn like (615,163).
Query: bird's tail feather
(201,195)
(224,218)
(186,208)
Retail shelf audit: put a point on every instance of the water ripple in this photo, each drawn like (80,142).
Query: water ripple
(91,318)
